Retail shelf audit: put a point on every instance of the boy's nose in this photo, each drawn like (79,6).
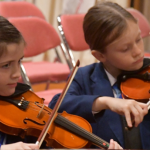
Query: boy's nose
(136,51)
(16,72)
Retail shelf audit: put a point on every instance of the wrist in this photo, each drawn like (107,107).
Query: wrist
(1,148)
(100,104)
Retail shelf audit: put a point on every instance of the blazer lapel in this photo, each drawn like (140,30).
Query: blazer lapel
(101,86)
(100,83)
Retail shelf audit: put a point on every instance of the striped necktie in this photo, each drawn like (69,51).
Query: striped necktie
(117,90)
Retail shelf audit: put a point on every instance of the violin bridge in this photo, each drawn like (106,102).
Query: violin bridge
(21,101)
(40,111)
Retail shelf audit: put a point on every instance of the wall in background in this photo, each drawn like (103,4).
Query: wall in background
(52,8)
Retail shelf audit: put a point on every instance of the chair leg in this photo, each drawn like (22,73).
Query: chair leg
(47,85)
(25,77)
(58,57)
(67,56)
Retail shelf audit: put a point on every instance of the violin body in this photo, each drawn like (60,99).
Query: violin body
(137,88)
(31,121)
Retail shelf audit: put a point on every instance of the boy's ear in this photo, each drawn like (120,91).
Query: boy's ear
(98,55)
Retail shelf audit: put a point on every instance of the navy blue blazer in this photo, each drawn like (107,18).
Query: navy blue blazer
(28,139)
(89,83)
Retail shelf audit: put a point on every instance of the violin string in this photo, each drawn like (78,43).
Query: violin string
(35,107)
(96,138)
(88,133)
(41,105)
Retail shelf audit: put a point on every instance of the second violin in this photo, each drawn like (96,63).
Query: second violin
(137,86)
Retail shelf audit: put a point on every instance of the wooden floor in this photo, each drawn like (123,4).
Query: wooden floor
(41,86)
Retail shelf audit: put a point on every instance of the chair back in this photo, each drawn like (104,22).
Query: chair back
(19,9)
(39,35)
(143,22)
(73,31)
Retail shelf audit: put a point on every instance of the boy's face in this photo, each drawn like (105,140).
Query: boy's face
(10,68)
(126,52)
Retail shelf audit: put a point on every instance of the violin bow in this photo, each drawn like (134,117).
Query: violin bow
(148,104)
(57,105)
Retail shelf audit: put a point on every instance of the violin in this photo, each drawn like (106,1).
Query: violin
(137,86)
(28,115)
(25,114)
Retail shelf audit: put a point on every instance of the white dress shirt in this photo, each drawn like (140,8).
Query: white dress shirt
(112,81)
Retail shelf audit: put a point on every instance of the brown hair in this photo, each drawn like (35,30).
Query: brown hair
(104,23)
(8,34)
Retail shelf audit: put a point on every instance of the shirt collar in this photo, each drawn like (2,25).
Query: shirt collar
(112,80)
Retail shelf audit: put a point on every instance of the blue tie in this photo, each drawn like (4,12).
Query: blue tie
(2,136)
(117,90)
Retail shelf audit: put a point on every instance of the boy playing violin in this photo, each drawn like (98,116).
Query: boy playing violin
(114,38)
(12,46)
(11,53)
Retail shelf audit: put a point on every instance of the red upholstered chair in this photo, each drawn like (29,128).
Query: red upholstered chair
(48,95)
(22,9)
(40,36)
(143,24)
(19,9)
(71,31)
(147,54)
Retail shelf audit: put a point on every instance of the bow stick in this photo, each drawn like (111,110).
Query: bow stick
(57,105)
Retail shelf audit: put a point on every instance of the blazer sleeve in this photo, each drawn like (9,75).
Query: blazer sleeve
(79,99)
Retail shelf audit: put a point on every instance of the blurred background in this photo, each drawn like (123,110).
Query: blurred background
(52,8)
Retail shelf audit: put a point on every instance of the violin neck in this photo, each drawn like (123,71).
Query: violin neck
(70,126)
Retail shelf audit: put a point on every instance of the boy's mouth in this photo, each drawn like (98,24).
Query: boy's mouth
(139,60)
(12,85)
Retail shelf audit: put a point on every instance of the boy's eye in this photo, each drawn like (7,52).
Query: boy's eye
(20,60)
(125,49)
(138,40)
(6,65)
